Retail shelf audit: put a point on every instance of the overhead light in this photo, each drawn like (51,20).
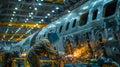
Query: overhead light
(31,17)
(41,0)
(69,11)
(39,21)
(12,18)
(31,13)
(57,8)
(27,19)
(9,24)
(37,0)
(14,12)
(48,14)
(42,20)
(30,7)
(53,11)
(36,24)
(39,4)
(16,8)
(35,8)
(46,17)
(19,0)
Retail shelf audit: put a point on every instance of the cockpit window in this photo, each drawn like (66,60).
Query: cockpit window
(95,12)
(110,8)
(60,29)
(67,26)
(83,19)
(74,23)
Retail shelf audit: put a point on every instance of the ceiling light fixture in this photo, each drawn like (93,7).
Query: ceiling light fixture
(31,17)
(35,8)
(12,18)
(14,12)
(41,0)
(39,4)
(46,17)
(69,11)
(19,0)
(37,0)
(57,8)
(31,13)
(30,7)
(53,11)
(42,20)
(48,14)
(27,19)
(16,8)
(39,21)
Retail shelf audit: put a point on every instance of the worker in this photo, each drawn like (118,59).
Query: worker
(6,58)
(40,48)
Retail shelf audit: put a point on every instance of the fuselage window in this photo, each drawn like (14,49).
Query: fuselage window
(83,19)
(74,23)
(95,14)
(67,26)
(110,8)
(60,30)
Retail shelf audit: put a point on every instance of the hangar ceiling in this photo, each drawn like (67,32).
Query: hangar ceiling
(21,18)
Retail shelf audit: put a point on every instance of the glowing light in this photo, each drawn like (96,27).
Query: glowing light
(53,11)
(31,13)
(14,12)
(16,8)
(41,0)
(69,11)
(37,0)
(30,7)
(48,14)
(12,18)
(27,19)
(39,4)
(9,24)
(42,20)
(35,8)
(46,17)
(57,8)
(19,0)
(39,21)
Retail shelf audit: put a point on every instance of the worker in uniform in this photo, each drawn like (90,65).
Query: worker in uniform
(40,48)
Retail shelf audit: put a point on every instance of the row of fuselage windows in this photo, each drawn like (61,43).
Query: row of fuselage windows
(109,9)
